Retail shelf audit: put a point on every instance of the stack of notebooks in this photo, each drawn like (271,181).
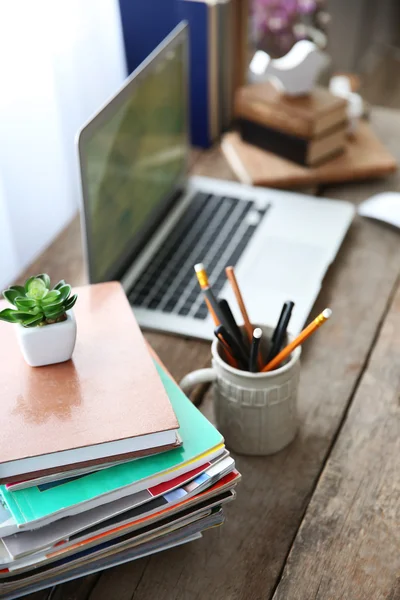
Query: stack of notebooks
(103,458)
(308,130)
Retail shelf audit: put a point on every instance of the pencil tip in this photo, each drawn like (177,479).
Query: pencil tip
(327,313)
(257,333)
(199,267)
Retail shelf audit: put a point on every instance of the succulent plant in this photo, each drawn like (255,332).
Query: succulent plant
(36,304)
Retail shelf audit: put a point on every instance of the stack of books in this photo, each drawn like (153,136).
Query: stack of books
(308,130)
(103,458)
(218,62)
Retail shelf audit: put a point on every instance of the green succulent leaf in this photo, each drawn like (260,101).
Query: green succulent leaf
(35,320)
(51,297)
(8,315)
(36,302)
(45,278)
(36,288)
(10,295)
(57,305)
(53,308)
(24,303)
(65,291)
(18,288)
(21,316)
(28,282)
(70,302)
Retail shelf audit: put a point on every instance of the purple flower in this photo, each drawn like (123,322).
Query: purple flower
(277,20)
(306,7)
(276,24)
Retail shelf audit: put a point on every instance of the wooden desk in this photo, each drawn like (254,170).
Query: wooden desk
(320,520)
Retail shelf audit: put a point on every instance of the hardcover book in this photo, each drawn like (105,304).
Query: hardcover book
(306,117)
(107,403)
(201,443)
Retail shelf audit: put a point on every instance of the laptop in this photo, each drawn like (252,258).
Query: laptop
(147,223)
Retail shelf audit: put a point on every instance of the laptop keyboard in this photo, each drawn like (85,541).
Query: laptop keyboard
(214,230)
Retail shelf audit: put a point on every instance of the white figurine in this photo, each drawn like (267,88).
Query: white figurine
(340,86)
(295,73)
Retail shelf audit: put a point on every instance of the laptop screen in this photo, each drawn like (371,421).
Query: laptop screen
(132,155)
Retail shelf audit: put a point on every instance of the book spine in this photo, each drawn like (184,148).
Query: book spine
(225,61)
(196,14)
(213,70)
(241,26)
(144,25)
(272,140)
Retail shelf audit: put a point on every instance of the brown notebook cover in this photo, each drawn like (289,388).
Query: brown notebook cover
(303,116)
(109,391)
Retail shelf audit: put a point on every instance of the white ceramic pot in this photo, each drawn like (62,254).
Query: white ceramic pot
(49,344)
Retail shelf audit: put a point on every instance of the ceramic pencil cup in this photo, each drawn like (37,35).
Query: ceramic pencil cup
(255,412)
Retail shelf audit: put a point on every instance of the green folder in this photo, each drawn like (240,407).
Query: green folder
(198,436)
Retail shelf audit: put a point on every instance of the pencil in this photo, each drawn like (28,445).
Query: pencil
(255,345)
(230,273)
(209,297)
(309,330)
(236,351)
(228,353)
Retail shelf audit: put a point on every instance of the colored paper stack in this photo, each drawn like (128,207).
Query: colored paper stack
(104,459)
(308,130)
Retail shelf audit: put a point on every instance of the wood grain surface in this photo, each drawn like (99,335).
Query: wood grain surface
(246,557)
(348,545)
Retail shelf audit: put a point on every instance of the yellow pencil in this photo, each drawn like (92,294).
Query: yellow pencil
(202,278)
(309,330)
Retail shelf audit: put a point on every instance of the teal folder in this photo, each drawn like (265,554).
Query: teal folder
(198,436)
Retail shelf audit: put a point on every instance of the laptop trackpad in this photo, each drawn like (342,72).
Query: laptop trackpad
(290,267)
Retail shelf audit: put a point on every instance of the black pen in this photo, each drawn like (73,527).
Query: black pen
(278,337)
(230,322)
(277,325)
(236,350)
(255,345)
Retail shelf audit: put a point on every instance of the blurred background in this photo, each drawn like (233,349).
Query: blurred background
(61,61)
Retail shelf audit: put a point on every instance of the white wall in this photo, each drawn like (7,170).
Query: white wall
(59,62)
(8,253)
